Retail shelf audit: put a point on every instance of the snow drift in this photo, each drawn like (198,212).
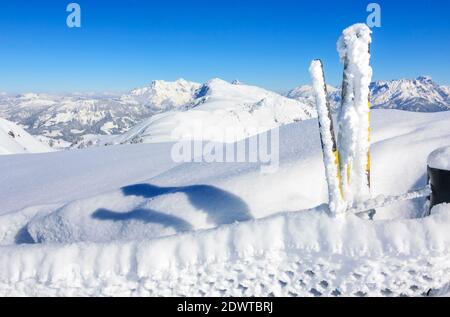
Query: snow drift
(125,220)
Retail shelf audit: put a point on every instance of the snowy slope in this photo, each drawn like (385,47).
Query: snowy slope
(401,143)
(220,107)
(121,221)
(15,140)
(420,94)
(194,196)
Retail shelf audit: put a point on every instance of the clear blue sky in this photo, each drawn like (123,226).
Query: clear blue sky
(126,44)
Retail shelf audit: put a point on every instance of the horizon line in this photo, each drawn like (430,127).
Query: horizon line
(128,90)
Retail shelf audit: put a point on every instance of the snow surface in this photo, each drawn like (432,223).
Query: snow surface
(125,220)
(205,262)
(440,158)
(15,140)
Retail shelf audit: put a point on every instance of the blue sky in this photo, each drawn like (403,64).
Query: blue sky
(126,44)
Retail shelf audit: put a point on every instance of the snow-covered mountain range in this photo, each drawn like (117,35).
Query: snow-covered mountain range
(220,107)
(69,117)
(421,94)
(150,114)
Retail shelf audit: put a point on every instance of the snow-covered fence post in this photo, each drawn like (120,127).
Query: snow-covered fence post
(439,176)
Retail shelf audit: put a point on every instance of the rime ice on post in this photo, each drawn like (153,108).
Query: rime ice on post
(330,155)
(354,134)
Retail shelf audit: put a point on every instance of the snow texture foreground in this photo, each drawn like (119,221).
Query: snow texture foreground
(307,253)
(125,220)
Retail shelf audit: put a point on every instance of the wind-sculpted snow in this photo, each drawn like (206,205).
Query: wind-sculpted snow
(141,211)
(124,220)
(303,253)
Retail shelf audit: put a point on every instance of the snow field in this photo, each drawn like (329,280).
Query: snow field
(128,236)
(15,140)
(286,254)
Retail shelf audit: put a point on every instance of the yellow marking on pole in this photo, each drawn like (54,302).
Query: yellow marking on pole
(349,170)
(368,150)
(337,163)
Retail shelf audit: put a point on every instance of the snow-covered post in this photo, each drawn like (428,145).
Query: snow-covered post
(330,154)
(354,126)
(439,176)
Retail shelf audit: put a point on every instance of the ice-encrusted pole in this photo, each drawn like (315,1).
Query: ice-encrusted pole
(354,126)
(330,154)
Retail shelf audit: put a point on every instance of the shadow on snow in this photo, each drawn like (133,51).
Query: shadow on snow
(221,206)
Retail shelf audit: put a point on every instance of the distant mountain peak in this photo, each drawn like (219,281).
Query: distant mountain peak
(221,105)
(426,79)
(217,81)
(162,94)
(159,84)
(419,94)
